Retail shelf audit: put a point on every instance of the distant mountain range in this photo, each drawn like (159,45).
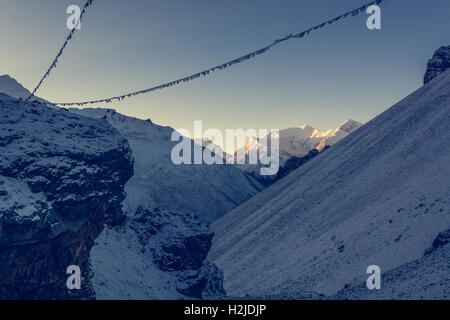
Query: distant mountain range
(293,142)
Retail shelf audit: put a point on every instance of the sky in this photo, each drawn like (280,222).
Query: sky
(344,71)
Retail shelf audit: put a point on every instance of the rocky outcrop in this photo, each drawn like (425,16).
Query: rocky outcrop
(441,240)
(296,162)
(179,244)
(438,64)
(62,177)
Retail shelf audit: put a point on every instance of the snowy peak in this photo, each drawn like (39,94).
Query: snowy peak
(301,140)
(350,126)
(13,88)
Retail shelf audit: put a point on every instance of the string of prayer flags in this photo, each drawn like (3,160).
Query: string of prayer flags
(204,73)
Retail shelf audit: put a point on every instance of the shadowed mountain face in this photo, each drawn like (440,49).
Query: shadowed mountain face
(438,64)
(379,196)
(62,177)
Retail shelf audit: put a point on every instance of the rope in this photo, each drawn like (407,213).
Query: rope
(55,61)
(208,71)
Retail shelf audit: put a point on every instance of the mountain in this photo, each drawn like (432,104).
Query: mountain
(439,63)
(159,251)
(210,145)
(295,162)
(14,89)
(62,178)
(293,142)
(207,191)
(377,197)
(153,242)
(432,269)
(299,141)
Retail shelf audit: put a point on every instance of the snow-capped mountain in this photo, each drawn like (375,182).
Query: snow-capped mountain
(203,190)
(299,141)
(155,248)
(210,145)
(11,87)
(293,142)
(159,251)
(380,196)
(62,177)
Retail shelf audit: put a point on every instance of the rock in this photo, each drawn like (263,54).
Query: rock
(438,64)
(296,162)
(441,240)
(64,177)
(179,245)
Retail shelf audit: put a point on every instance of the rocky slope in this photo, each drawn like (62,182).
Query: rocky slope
(379,196)
(439,63)
(424,278)
(62,177)
(296,162)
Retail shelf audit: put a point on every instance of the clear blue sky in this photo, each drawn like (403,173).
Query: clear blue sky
(340,72)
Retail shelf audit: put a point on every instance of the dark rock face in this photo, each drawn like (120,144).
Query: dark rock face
(296,162)
(441,240)
(179,243)
(438,64)
(61,179)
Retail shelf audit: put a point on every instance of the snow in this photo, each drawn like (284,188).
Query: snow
(16,196)
(425,278)
(299,141)
(122,271)
(14,89)
(121,268)
(379,196)
(204,190)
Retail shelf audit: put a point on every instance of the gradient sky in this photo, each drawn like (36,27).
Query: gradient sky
(342,71)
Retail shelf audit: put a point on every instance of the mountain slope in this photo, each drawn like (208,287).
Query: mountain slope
(159,251)
(205,191)
(14,89)
(424,278)
(62,177)
(379,196)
